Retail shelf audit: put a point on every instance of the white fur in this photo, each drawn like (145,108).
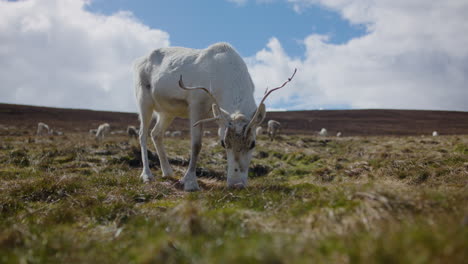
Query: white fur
(338,134)
(218,68)
(435,134)
(259,131)
(102,131)
(42,129)
(323,132)
(273,129)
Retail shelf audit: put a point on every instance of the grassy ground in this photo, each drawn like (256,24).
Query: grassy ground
(341,200)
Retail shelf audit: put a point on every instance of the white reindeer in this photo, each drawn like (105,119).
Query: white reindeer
(435,133)
(273,129)
(259,131)
(230,97)
(42,129)
(338,134)
(323,132)
(102,131)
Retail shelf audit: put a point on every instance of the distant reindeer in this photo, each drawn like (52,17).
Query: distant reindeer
(338,134)
(102,131)
(42,129)
(435,134)
(229,95)
(132,132)
(273,129)
(206,133)
(323,132)
(259,131)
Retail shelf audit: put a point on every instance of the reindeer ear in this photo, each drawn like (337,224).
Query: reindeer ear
(261,114)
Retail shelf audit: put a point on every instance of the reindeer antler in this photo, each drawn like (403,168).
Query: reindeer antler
(182,85)
(267,93)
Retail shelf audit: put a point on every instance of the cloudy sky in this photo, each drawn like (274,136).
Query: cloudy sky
(350,54)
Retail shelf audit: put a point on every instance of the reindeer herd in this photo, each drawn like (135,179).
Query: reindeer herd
(208,85)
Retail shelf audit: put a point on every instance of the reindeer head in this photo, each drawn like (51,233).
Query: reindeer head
(237,135)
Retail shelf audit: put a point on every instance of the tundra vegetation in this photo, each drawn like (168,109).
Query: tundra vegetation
(310,199)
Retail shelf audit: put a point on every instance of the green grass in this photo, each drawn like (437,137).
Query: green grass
(348,200)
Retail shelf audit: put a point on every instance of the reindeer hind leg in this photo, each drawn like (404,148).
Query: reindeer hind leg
(157,135)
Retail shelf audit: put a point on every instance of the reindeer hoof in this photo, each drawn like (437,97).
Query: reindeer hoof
(147,177)
(169,173)
(191,188)
(190,185)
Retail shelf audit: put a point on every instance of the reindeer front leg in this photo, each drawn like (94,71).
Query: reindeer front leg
(190,178)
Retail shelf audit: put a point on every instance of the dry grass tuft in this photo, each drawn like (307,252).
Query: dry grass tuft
(346,200)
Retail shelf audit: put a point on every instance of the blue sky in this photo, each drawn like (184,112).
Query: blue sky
(351,54)
(247,27)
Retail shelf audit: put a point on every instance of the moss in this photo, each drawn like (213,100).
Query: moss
(71,204)
(65,159)
(61,213)
(10,206)
(277,155)
(46,188)
(461,148)
(455,160)
(107,212)
(20,158)
(162,204)
(15,173)
(300,158)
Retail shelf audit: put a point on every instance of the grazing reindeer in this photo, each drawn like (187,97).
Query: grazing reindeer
(259,131)
(102,131)
(273,129)
(230,98)
(42,129)
(323,132)
(132,132)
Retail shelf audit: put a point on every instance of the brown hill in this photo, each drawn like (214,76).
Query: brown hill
(349,122)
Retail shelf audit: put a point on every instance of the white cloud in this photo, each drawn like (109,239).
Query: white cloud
(56,53)
(414,56)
